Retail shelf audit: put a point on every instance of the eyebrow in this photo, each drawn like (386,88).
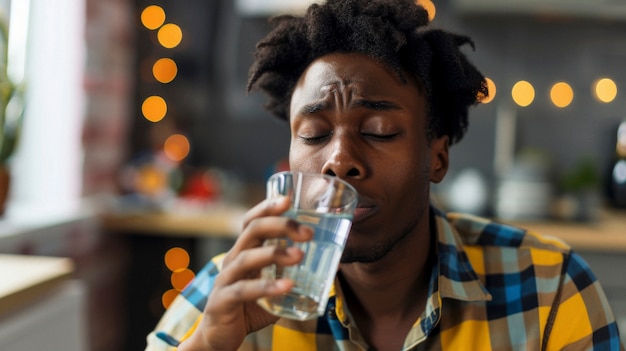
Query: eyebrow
(310,109)
(376,105)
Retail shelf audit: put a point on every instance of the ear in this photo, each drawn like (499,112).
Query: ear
(439,158)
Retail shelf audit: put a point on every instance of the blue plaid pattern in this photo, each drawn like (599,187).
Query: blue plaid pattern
(495,287)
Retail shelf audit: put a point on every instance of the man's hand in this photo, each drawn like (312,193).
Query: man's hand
(231,311)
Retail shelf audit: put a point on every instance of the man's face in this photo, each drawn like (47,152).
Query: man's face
(353,118)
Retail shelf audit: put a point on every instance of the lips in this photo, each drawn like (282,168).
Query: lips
(364,209)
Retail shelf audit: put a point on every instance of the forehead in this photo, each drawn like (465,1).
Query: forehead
(353,73)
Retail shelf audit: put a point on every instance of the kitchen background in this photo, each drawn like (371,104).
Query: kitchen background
(145,110)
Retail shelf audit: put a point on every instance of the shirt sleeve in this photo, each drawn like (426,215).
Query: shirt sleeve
(581,318)
(183,315)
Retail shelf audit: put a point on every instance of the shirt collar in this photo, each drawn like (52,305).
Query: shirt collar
(453,277)
(456,277)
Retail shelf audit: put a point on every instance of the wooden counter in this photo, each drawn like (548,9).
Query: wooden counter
(608,234)
(25,278)
(222,221)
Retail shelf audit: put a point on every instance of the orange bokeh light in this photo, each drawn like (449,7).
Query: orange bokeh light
(561,94)
(164,70)
(168,297)
(176,147)
(176,259)
(150,180)
(181,278)
(491,86)
(152,17)
(154,108)
(170,35)
(523,93)
(605,90)
(429,6)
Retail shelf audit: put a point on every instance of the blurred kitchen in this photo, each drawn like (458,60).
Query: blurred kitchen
(130,149)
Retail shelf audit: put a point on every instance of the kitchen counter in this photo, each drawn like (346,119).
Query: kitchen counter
(26,278)
(607,234)
(41,307)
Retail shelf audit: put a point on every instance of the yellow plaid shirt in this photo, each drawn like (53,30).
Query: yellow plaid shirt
(495,287)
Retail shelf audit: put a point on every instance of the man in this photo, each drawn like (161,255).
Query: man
(375,98)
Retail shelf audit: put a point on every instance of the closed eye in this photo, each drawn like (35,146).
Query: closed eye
(312,140)
(381,137)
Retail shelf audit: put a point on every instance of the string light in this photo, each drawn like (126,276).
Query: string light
(154,108)
(176,147)
(177,261)
(170,35)
(561,94)
(430,7)
(152,17)
(491,87)
(523,93)
(604,90)
(164,70)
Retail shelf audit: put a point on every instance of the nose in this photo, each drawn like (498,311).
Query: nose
(344,160)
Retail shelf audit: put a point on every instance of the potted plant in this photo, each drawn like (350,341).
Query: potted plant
(11,115)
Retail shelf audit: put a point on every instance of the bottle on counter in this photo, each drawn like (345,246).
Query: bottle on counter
(616,185)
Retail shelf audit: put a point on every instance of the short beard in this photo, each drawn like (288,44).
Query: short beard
(379,249)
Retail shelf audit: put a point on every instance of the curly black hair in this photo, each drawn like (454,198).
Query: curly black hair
(392,32)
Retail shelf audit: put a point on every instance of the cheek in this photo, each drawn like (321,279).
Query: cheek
(299,160)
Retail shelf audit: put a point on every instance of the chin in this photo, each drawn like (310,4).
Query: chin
(368,255)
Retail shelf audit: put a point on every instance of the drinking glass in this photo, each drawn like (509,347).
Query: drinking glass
(327,204)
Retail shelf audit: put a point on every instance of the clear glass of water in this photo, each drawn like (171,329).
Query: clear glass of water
(326,204)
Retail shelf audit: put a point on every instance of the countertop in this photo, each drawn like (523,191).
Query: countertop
(607,234)
(25,278)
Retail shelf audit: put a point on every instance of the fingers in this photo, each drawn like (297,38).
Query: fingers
(238,279)
(268,207)
(241,280)
(264,221)
(248,263)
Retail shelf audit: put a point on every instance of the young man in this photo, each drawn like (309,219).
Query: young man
(375,98)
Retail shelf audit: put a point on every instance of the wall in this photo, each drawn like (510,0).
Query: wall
(109,84)
(544,50)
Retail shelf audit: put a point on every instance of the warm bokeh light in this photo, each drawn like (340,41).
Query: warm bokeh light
(491,86)
(168,297)
(152,17)
(604,90)
(523,93)
(164,70)
(180,279)
(176,259)
(154,108)
(176,147)
(561,94)
(170,35)
(150,180)
(429,6)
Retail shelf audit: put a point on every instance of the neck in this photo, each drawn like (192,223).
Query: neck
(395,285)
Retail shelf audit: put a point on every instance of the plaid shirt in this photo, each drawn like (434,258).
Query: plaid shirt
(496,287)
